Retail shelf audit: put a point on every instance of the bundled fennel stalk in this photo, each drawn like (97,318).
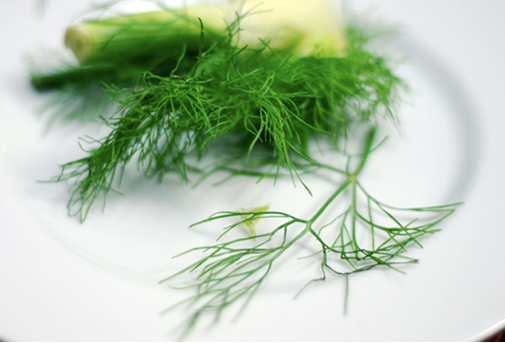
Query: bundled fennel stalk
(261,87)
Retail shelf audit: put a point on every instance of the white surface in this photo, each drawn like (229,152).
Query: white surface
(60,280)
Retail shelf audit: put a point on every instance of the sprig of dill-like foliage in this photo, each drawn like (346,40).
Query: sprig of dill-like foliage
(232,271)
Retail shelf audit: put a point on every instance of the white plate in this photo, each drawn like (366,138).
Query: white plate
(60,280)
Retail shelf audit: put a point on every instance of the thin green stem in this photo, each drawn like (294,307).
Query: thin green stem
(330,200)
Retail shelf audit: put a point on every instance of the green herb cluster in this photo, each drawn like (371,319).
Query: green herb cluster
(254,98)
(263,108)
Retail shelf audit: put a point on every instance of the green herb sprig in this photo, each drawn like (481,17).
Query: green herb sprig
(232,271)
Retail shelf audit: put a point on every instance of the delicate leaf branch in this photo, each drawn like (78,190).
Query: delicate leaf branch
(233,271)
